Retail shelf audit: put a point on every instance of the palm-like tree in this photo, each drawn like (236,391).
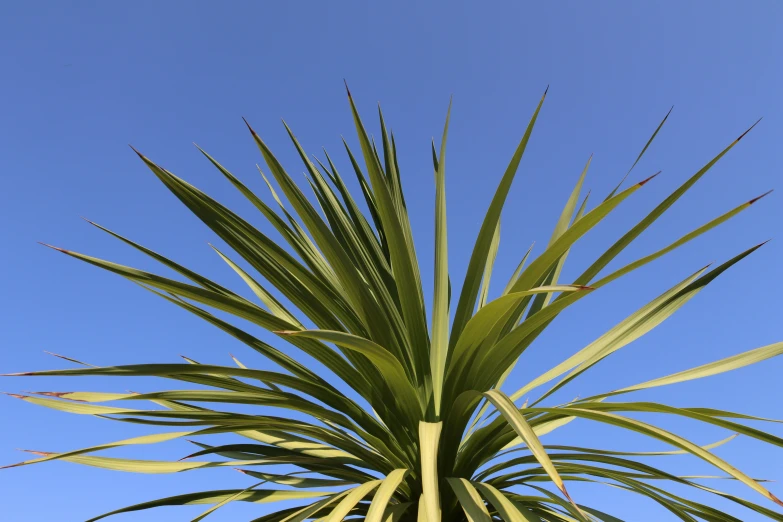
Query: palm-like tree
(410,422)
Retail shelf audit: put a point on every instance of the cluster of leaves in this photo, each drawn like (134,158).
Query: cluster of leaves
(409,422)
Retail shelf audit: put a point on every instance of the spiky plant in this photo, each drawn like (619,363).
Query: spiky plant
(411,422)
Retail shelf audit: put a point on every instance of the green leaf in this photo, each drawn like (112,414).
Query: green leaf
(517,271)
(505,508)
(440,306)
(517,421)
(670,438)
(403,258)
(470,287)
(537,268)
(469,499)
(390,368)
(644,149)
(350,500)
(648,220)
(706,370)
(209,497)
(632,327)
(381,499)
(487,275)
(225,501)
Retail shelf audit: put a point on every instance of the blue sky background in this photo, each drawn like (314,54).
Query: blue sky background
(81,80)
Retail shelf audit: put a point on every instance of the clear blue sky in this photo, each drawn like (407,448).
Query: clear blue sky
(81,80)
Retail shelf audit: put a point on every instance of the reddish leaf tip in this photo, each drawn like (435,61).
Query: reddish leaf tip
(42,453)
(641,183)
(54,247)
(759,197)
(59,395)
(14,395)
(241,471)
(249,127)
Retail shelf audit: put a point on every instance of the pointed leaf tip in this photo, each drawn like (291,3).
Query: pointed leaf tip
(759,197)
(14,395)
(42,453)
(54,247)
(750,129)
(55,354)
(186,457)
(249,127)
(139,154)
(648,179)
(346,88)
